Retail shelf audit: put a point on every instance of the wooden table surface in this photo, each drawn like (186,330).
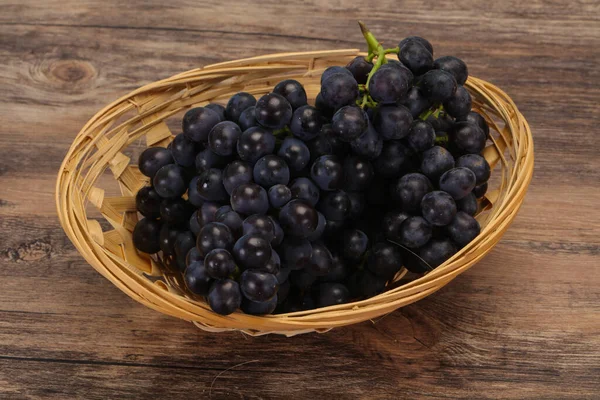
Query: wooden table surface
(523,323)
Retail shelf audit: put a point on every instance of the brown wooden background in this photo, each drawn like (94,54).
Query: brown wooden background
(524,323)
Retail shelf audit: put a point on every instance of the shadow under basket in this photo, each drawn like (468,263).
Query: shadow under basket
(99,178)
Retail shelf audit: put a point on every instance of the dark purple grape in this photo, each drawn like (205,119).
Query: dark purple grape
(437,85)
(219,264)
(146,235)
(214,235)
(385,260)
(238,103)
(357,205)
(392,122)
(279,234)
(193,196)
(259,307)
(295,153)
(459,105)
(192,256)
(167,238)
(169,181)
(335,206)
(147,202)
(293,91)
(295,253)
(224,296)
(234,222)
(423,42)
(436,252)
(183,244)
(273,265)
(360,68)
(255,143)
(183,150)
(318,147)
(197,279)
(327,173)
(409,190)
(207,213)
(435,162)
(252,251)
(416,102)
(219,109)
(416,57)
(194,225)
(197,122)
(478,165)
(438,208)
(279,195)
(334,70)
(391,223)
(323,107)
(467,204)
(368,145)
(476,118)
(463,229)
(154,158)
(454,66)
(441,123)
(236,173)
(331,294)
(283,274)
(273,111)
(222,210)
(458,182)
(320,261)
(354,244)
(271,170)
(176,211)
(358,173)
(206,159)
(421,136)
(223,138)
(247,119)
(337,272)
(414,232)
(318,232)
(349,123)
(298,218)
(302,279)
(210,186)
(395,158)
(370,285)
(389,84)
(338,147)
(339,89)
(260,225)
(249,198)
(305,189)
(480,190)
(306,123)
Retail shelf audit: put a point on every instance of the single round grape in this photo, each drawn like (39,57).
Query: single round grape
(391,222)
(273,265)
(476,118)
(306,123)
(416,102)
(279,234)
(146,235)
(238,103)
(298,218)
(176,211)
(305,189)
(435,162)
(183,150)
(338,270)
(416,57)
(358,173)
(320,261)
(349,123)
(357,205)
(459,105)
(421,136)
(458,182)
(293,91)
(327,173)
(167,237)
(234,222)
(392,121)
(169,181)
(255,143)
(154,158)
(236,173)
(334,70)
(249,198)
(283,292)
(389,84)
(259,307)
(415,232)
(183,244)
(335,206)
(480,190)
(338,147)
(339,89)
(360,68)
(302,279)
(247,119)
(279,195)
(354,244)
(210,186)
(197,279)
(323,107)
(194,225)
(423,42)
(260,225)
(368,145)
(409,190)
(207,213)
(436,252)
(331,294)
(147,202)
(214,235)
(252,251)
(296,253)
(318,232)
(273,111)
(222,139)
(271,170)
(478,165)
(463,229)
(224,296)
(438,208)
(318,147)
(219,109)
(206,159)
(437,85)
(385,260)
(197,122)
(219,264)
(192,256)
(402,69)
(295,153)
(454,66)
(467,204)
(395,158)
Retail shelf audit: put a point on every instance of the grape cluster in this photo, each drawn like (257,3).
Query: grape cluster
(275,205)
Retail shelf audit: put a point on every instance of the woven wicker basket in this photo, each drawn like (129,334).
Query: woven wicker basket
(100,173)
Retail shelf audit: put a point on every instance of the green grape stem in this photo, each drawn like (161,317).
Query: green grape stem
(435,111)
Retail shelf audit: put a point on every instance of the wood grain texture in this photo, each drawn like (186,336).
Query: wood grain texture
(524,323)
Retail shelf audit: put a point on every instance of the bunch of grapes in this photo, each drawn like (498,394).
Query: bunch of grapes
(275,205)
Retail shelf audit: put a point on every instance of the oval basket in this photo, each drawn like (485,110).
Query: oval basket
(98,180)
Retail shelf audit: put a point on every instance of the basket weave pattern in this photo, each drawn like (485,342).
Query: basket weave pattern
(141,114)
